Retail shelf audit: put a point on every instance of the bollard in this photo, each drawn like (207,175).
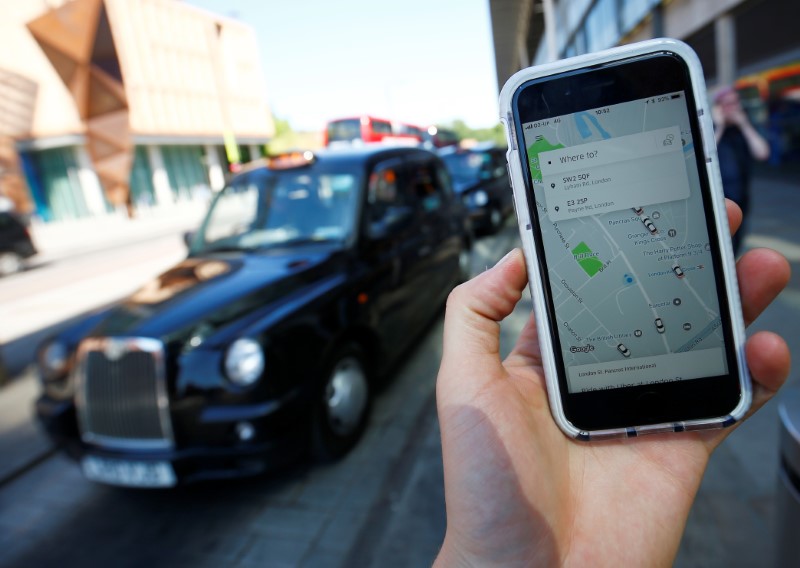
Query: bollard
(787,496)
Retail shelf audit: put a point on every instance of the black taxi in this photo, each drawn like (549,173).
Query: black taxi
(309,276)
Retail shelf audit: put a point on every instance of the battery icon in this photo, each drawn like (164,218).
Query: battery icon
(676,96)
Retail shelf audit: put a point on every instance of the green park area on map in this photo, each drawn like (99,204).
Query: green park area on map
(586,259)
(534,150)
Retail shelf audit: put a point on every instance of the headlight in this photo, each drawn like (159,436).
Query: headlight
(244,362)
(54,358)
(480,198)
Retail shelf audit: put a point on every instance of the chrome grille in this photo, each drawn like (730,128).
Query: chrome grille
(122,397)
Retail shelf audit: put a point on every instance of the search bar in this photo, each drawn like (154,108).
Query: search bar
(610,175)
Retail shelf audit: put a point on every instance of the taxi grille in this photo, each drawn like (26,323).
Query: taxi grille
(122,399)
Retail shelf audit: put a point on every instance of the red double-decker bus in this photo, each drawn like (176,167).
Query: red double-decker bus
(365,129)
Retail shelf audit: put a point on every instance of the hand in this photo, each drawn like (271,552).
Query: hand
(737,116)
(521,493)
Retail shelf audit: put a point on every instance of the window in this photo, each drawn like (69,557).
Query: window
(601,25)
(382,127)
(425,184)
(387,205)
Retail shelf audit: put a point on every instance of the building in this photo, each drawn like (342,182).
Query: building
(115,104)
(750,43)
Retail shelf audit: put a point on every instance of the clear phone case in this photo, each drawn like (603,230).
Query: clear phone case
(519,184)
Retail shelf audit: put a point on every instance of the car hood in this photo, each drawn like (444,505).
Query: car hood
(209,292)
(463,185)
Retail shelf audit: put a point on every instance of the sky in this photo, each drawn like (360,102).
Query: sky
(419,61)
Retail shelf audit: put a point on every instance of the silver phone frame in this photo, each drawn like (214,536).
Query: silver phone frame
(519,183)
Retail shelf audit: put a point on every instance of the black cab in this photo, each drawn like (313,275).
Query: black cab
(310,275)
(16,245)
(480,179)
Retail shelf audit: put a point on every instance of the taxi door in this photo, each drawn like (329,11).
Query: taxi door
(394,249)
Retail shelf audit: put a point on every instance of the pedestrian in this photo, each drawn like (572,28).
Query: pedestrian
(738,145)
(518,491)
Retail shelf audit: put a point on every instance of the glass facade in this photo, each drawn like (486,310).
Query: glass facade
(185,169)
(53,178)
(602,24)
(141,181)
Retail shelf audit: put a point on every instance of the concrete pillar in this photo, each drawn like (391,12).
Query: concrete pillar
(725,40)
(658,21)
(89,182)
(255,151)
(161,186)
(550,30)
(216,174)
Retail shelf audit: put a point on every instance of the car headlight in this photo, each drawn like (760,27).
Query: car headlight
(54,359)
(244,362)
(480,198)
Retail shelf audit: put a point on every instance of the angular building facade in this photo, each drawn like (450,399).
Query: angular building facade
(129,103)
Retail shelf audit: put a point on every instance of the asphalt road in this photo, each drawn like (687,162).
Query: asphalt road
(38,301)
(382,505)
(306,515)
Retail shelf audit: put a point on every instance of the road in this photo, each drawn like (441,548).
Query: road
(383,504)
(39,300)
(305,515)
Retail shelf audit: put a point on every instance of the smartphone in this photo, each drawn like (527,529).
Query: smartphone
(622,218)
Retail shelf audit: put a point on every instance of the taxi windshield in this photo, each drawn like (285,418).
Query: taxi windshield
(467,166)
(264,209)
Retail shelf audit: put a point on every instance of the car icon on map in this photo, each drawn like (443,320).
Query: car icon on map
(659,325)
(624,350)
(637,210)
(678,271)
(650,226)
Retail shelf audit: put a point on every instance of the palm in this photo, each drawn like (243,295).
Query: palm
(519,492)
(549,472)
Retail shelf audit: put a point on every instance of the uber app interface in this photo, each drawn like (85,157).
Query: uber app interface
(627,248)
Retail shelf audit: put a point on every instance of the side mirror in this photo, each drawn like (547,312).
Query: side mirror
(188,237)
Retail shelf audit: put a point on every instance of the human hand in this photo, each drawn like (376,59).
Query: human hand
(521,493)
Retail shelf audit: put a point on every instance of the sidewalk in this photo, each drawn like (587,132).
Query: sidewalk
(64,239)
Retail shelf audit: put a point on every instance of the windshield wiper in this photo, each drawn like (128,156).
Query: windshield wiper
(226,248)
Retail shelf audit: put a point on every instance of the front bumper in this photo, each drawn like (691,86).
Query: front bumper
(206,442)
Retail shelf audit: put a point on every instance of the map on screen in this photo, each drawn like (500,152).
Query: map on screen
(626,243)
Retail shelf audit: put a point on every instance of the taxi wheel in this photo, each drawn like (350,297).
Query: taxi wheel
(10,263)
(464,264)
(495,220)
(343,407)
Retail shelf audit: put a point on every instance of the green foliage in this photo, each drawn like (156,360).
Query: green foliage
(286,139)
(494,134)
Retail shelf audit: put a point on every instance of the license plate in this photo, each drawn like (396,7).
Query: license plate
(129,473)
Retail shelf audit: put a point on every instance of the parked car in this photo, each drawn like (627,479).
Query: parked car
(480,178)
(308,278)
(16,245)
(438,137)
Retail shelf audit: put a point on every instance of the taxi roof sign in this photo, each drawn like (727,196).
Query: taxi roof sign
(290,160)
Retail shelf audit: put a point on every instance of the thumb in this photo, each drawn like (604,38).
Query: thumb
(472,325)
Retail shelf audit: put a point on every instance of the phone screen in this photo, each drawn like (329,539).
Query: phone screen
(625,233)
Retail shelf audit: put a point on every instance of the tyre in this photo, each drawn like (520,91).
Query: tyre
(10,262)
(342,410)
(464,264)
(495,220)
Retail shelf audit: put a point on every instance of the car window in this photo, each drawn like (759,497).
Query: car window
(278,208)
(426,184)
(344,130)
(381,127)
(469,167)
(234,211)
(387,203)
